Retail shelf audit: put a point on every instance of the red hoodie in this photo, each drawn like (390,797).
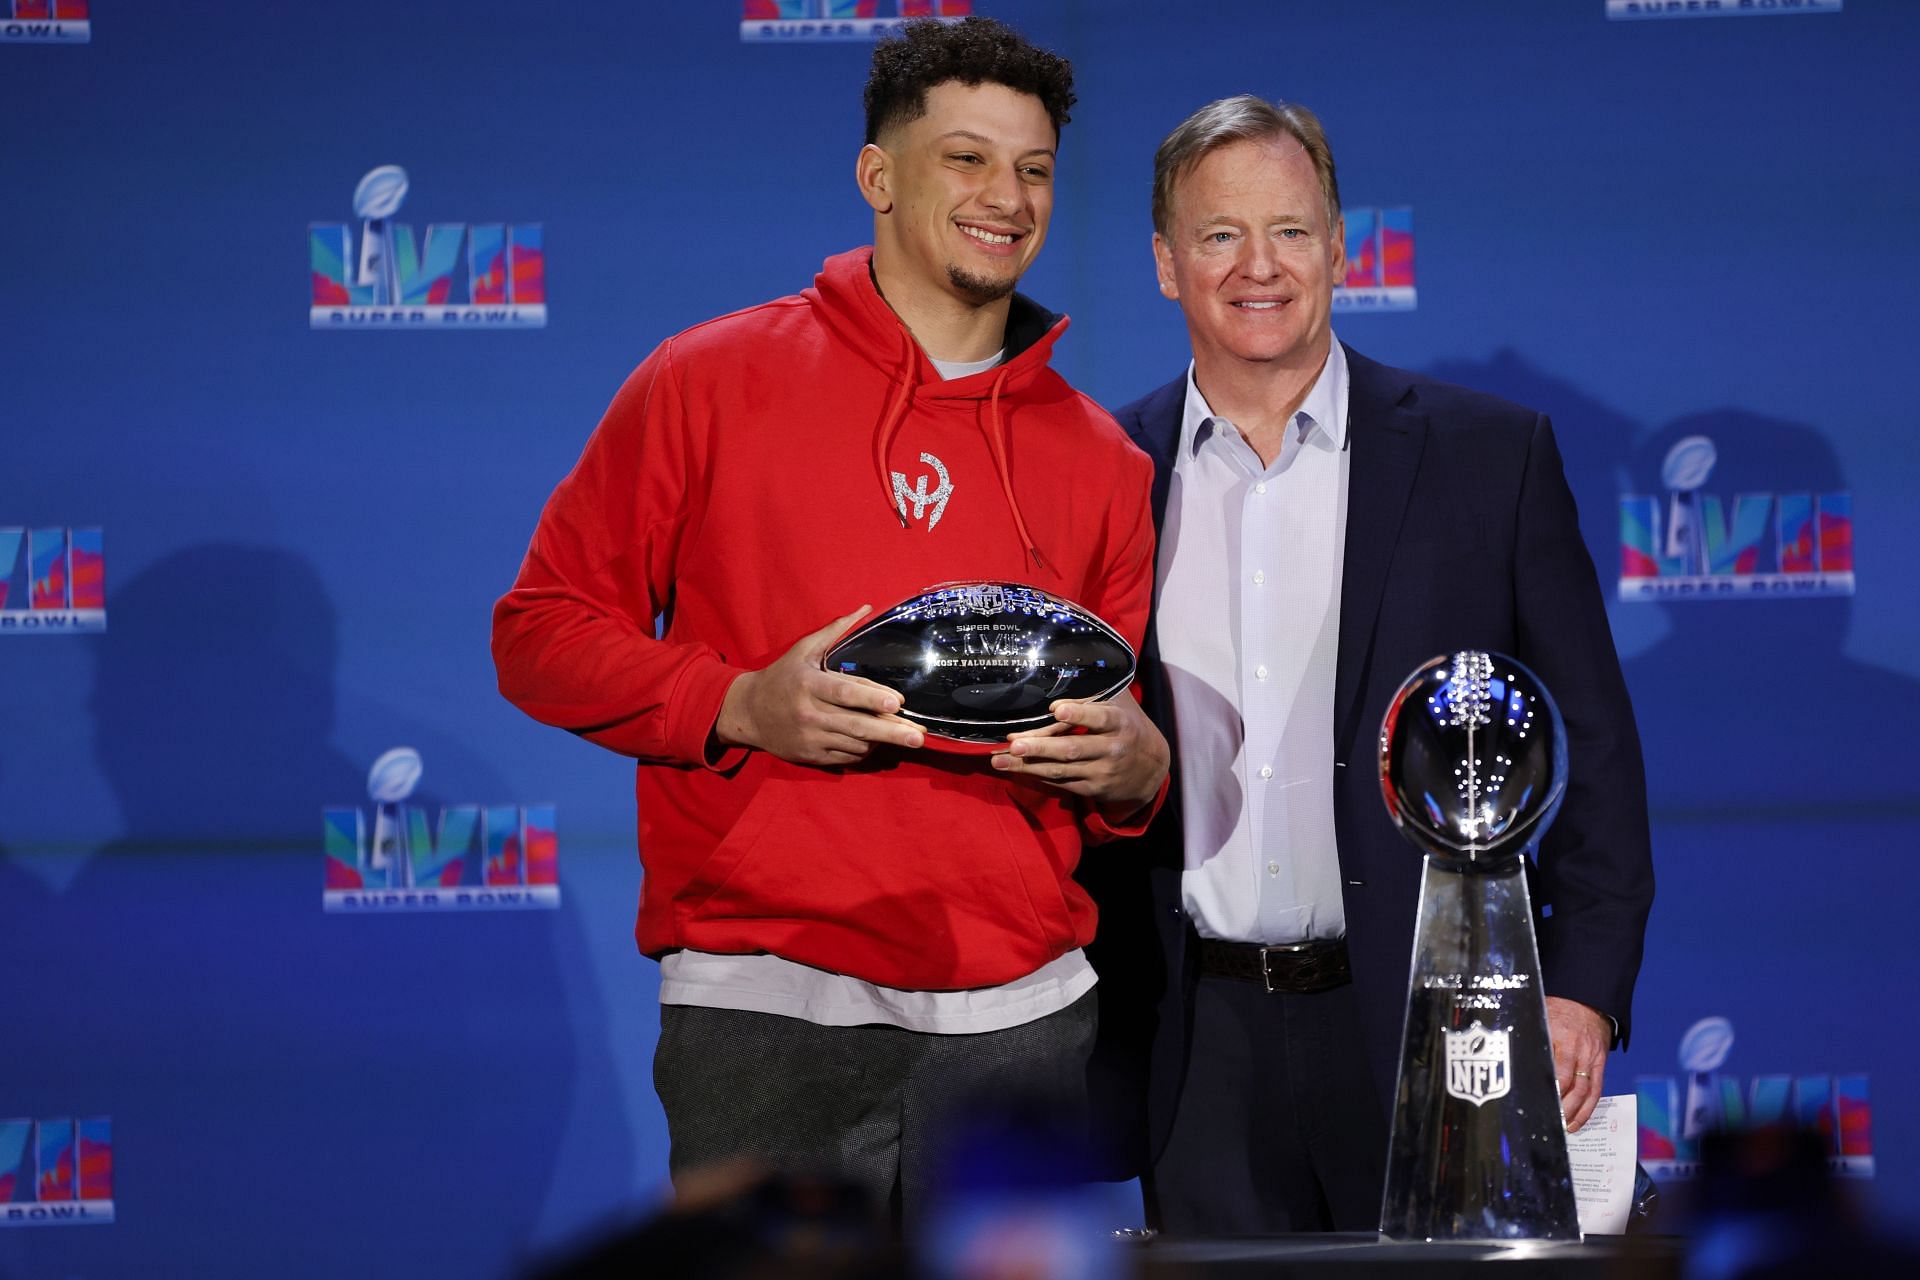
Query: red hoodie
(741,485)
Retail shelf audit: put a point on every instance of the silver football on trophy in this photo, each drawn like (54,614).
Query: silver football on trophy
(976,661)
(1473,758)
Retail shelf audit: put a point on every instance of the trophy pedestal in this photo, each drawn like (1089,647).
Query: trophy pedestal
(1479,1149)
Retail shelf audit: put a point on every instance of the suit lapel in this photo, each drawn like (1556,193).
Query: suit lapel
(1153,423)
(1386,439)
(1155,427)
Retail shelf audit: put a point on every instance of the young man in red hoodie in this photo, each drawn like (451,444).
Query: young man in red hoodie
(855,930)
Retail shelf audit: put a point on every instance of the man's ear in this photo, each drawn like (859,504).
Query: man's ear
(1163,267)
(873,174)
(1338,243)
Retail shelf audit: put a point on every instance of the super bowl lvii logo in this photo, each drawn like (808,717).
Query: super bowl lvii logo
(56,1172)
(45,22)
(1630,10)
(53,581)
(476,858)
(1694,545)
(396,282)
(1676,1115)
(1379,261)
(766,21)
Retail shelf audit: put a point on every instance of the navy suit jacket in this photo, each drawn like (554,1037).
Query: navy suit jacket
(1461,534)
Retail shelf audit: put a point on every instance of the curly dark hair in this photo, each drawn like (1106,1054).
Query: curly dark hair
(973,51)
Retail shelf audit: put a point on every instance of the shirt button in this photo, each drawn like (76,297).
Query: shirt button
(1259,576)
(1261,487)
(1273,868)
(1260,672)
(1266,771)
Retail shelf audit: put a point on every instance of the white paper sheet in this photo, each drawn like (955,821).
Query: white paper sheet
(1602,1158)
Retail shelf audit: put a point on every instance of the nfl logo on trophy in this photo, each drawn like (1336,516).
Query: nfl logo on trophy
(1477,1064)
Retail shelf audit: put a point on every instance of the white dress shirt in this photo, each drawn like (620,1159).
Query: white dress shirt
(1249,620)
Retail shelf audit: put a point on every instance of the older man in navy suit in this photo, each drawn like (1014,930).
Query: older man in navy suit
(1327,525)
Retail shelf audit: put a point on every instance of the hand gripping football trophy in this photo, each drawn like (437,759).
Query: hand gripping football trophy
(1473,763)
(976,661)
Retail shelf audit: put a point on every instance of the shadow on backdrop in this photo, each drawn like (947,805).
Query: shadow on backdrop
(1716,681)
(293,1093)
(1596,442)
(1753,706)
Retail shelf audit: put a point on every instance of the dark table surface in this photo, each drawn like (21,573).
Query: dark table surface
(1349,1256)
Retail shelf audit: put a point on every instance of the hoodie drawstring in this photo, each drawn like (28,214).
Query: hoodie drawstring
(890,423)
(997,446)
(995,430)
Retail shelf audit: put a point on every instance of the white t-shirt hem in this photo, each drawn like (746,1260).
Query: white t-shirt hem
(769,984)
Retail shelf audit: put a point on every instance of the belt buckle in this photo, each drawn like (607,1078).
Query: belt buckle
(1266,953)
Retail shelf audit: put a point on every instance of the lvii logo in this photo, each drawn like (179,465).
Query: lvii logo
(56,1172)
(45,22)
(397,283)
(58,587)
(491,857)
(1676,1114)
(766,21)
(1692,544)
(1379,261)
(1631,10)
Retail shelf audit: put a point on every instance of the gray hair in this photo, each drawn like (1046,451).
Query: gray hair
(1243,118)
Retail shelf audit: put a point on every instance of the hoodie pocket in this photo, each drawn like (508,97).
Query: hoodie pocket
(1042,856)
(712,873)
(920,878)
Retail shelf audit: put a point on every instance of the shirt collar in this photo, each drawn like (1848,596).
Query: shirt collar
(1324,410)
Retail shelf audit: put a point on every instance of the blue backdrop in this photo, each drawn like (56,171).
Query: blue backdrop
(1648,229)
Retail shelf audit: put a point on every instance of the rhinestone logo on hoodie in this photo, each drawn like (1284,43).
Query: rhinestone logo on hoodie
(918,495)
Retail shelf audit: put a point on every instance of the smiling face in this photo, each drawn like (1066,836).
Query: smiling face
(962,194)
(1250,257)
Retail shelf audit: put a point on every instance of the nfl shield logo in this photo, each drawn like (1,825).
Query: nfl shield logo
(1478,1064)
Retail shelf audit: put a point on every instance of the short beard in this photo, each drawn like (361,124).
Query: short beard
(979,288)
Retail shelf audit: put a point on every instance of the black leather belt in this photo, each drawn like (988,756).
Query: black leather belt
(1297,968)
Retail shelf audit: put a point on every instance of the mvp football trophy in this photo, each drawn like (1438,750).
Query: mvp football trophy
(1473,763)
(976,661)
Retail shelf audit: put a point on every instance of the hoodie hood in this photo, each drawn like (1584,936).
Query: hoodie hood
(850,305)
(849,302)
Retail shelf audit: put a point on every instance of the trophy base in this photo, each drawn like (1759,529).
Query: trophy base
(1479,1148)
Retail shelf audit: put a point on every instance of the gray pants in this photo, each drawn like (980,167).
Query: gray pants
(867,1103)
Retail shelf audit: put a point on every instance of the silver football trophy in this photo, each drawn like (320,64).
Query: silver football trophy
(1473,764)
(976,661)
